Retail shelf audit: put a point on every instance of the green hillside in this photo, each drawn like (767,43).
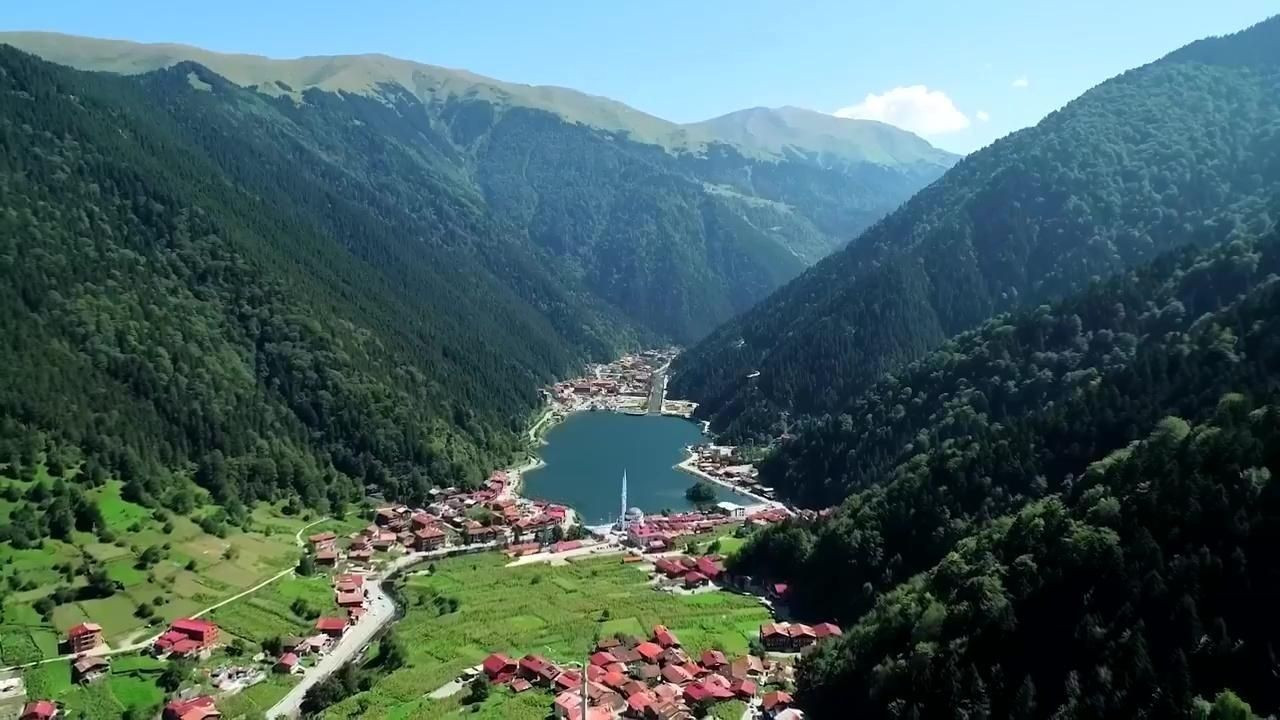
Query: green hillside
(192,285)
(1184,150)
(1092,476)
(675,227)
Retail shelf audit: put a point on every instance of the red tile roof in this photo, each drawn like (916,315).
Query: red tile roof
(602,657)
(39,709)
(84,628)
(777,698)
(498,663)
(331,624)
(649,650)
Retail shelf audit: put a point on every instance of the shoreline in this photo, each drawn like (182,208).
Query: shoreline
(687,466)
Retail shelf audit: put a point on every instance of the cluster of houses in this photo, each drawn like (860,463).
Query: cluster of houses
(658,533)
(653,679)
(623,384)
(689,571)
(795,637)
(351,596)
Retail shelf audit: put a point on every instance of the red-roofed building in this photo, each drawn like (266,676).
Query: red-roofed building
(428,538)
(744,688)
(84,637)
(637,702)
(602,658)
(695,579)
(779,591)
(386,517)
(38,710)
(826,630)
(322,539)
(669,567)
(187,636)
(288,663)
(710,567)
(474,532)
(350,599)
(349,582)
(665,637)
(696,693)
(614,679)
(776,701)
(713,660)
(197,708)
(328,557)
(331,626)
(519,685)
(568,680)
(538,669)
(649,651)
(499,668)
(354,614)
(676,674)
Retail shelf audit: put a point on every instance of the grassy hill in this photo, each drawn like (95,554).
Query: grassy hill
(749,131)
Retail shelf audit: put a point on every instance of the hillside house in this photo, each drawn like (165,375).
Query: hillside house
(187,637)
(84,637)
(197,708)
(332,627)
(39,710)
(89,668)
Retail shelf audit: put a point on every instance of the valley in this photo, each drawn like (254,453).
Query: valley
(345,385)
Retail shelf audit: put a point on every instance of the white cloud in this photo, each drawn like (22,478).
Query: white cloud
(913,107)
(982,116)
(1021,82)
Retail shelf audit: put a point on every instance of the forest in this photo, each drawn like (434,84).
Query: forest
(1084,475)
(1185,150)
(247,314)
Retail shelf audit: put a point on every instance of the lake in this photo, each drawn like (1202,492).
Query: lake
(586,454)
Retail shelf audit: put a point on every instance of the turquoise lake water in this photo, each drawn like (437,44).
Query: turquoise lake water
(586,454)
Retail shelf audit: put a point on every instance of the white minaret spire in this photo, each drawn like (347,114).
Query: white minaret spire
(623,517)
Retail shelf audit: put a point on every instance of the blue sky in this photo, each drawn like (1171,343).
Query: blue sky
(961,73)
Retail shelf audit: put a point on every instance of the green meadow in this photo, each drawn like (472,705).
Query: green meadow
(556,611)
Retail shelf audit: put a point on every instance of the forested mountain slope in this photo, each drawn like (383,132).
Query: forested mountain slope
(192,284)
(1093,476)
(679,227)
(1183,150)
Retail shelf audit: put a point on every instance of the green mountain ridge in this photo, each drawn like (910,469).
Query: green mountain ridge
(805,131)
(1182,150)
(677,242)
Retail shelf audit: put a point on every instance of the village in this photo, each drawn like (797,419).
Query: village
(625,676)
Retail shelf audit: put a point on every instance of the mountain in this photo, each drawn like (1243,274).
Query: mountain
(792,130)
(1093,476)
(197,284)
(679,226)
(1183,150)
(758,132)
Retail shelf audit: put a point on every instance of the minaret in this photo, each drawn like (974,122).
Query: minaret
(622,519)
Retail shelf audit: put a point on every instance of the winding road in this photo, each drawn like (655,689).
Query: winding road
(380,611)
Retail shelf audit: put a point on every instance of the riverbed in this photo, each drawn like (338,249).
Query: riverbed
(586,454)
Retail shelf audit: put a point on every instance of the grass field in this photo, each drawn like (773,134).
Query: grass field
(557,611)
(197,570)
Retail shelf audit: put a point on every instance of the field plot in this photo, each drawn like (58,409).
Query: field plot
(556,611)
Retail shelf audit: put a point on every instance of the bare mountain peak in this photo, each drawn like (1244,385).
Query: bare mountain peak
(778,132)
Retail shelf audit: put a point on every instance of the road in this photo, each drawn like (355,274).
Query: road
(104,651)
(657,390)
(381,611)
